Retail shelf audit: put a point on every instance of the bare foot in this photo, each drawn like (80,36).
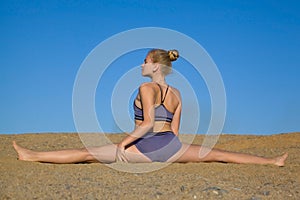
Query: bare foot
(24,154)
(279,161)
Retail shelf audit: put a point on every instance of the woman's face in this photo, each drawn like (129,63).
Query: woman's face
(147,67)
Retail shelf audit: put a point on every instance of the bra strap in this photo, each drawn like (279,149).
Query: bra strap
(161,93)
(162,101)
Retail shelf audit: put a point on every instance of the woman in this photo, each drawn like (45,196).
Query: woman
(157,110)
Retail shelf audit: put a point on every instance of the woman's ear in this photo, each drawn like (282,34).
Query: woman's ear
(156,67)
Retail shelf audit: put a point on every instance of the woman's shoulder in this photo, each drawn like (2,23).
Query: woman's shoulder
(147,85)
(152,85)
(175,91)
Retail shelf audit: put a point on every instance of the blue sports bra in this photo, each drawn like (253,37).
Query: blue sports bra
(161,112)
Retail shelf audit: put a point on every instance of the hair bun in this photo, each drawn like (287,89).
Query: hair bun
(173,54)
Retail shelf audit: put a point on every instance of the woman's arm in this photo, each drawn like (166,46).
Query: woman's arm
(175,124)
(148,96)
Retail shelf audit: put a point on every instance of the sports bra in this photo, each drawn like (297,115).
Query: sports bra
(161,112)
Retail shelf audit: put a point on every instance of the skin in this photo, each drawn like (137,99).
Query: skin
(150,96)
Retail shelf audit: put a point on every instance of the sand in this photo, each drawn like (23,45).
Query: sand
(33,180)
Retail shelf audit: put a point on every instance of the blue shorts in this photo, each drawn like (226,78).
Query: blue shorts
(159,147)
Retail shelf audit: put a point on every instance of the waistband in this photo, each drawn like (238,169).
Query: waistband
(159,133)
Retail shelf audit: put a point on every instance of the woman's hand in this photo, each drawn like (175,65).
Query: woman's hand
(120,154)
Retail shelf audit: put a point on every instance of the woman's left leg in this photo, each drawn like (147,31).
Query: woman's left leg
(104,154)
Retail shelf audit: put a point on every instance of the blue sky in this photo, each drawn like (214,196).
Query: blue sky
(255,45)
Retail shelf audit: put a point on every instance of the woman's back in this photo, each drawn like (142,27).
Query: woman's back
(167,101)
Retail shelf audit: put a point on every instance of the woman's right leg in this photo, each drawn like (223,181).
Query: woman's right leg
(191,153)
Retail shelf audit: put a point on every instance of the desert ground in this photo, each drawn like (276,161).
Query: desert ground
(33,180)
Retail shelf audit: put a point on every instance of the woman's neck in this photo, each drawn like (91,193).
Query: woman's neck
(160,80)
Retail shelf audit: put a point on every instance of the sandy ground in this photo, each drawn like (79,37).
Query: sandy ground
(32,180)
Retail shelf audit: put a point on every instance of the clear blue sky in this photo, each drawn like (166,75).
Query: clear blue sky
(255,45)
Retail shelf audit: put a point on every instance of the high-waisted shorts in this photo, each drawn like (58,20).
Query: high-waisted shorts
(159,147)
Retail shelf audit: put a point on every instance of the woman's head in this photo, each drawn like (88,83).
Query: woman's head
(163,57)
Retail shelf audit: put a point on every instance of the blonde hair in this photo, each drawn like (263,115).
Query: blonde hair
(165,58)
